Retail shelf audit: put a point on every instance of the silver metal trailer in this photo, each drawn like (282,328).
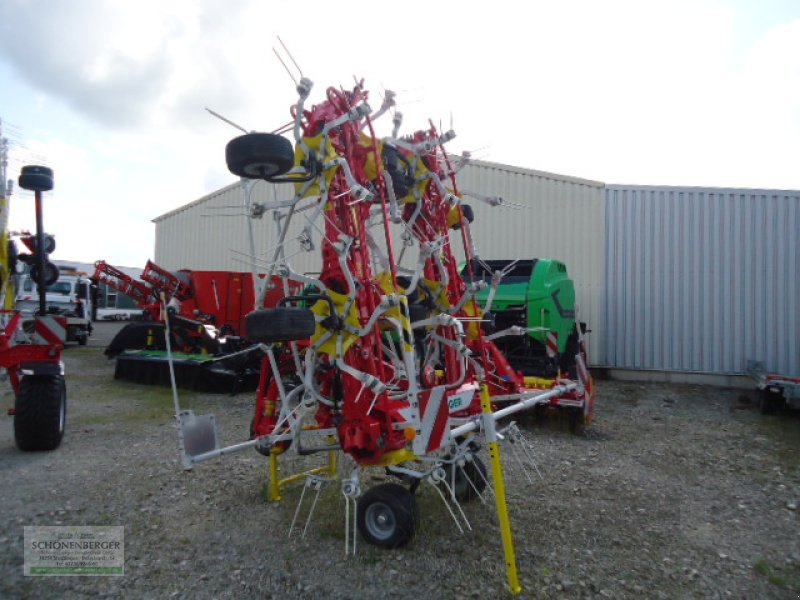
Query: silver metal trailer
(777,391)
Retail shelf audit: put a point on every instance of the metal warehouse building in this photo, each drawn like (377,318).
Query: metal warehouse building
(670,280)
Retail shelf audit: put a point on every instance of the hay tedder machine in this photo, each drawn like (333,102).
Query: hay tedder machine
(385,364)
(31,352)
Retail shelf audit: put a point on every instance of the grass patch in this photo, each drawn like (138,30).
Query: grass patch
(784,576)
(783,429)
(132,403)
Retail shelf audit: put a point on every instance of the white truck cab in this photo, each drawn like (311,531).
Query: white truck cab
(69,297)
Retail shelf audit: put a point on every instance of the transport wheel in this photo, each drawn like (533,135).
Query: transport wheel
(281,324)
(387,515)
(577,422)
(49,244)
(36,178)
(50,273)
(475,470)
(41,412)
(13,257)
(259,155)
(568,363)
(769,402)
(417,312)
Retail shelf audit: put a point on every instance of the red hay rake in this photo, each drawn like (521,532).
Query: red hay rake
(386,364)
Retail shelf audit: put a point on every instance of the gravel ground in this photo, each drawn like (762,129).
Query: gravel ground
(676,491)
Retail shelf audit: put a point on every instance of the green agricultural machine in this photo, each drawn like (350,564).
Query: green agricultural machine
(532,314)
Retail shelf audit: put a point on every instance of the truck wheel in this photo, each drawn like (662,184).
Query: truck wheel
(281,324)
(82,340)
(41,412)
(387,515)
(259,155)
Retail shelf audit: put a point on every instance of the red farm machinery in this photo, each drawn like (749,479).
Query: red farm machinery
(31,349)
(385,363)
(206,312)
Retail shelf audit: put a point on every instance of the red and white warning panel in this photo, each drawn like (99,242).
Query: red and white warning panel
(552,344)
(50,330)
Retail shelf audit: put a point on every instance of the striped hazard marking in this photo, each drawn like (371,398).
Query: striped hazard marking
(49,331)
(552,344)
(435,417)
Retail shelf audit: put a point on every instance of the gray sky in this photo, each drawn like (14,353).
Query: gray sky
(111,94)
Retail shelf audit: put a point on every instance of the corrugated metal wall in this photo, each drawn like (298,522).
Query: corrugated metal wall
(554,216)
(212,233)
(702,279)
(543,216)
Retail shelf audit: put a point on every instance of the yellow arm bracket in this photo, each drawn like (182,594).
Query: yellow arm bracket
(500,491)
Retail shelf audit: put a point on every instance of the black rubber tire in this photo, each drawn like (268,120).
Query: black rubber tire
(83,340)
(40,412)
(567,359)
(259,155)
(36,178)
(50,273)
(281,324)
(13,257)
(467,213)
(577,421)
(769,403)
(49,244)
(387,515)
(417,312)
(476,471)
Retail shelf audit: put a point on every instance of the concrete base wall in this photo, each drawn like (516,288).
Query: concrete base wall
(714,379)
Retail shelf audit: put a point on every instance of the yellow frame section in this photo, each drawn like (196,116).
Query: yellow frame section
(276,484)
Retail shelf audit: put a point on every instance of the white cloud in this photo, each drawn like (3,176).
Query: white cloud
(621,91)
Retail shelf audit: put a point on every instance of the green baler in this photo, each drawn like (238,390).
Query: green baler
(536,294)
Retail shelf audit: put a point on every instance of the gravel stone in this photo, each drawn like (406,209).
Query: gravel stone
(676,491)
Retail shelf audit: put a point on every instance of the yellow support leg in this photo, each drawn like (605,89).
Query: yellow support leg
(331,463)
(275,483)
(500,492)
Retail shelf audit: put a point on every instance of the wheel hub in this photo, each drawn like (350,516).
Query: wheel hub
(380,520)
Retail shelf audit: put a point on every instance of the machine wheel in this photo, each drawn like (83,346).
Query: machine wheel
(476,471)
(13,257)
(568,363)
(50,273)
(49,244)
(577,422)
(36,178)
(387,515)
(83,340)
(769,402)
(281,324)
(259,155)
(417,312)
(41,412)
